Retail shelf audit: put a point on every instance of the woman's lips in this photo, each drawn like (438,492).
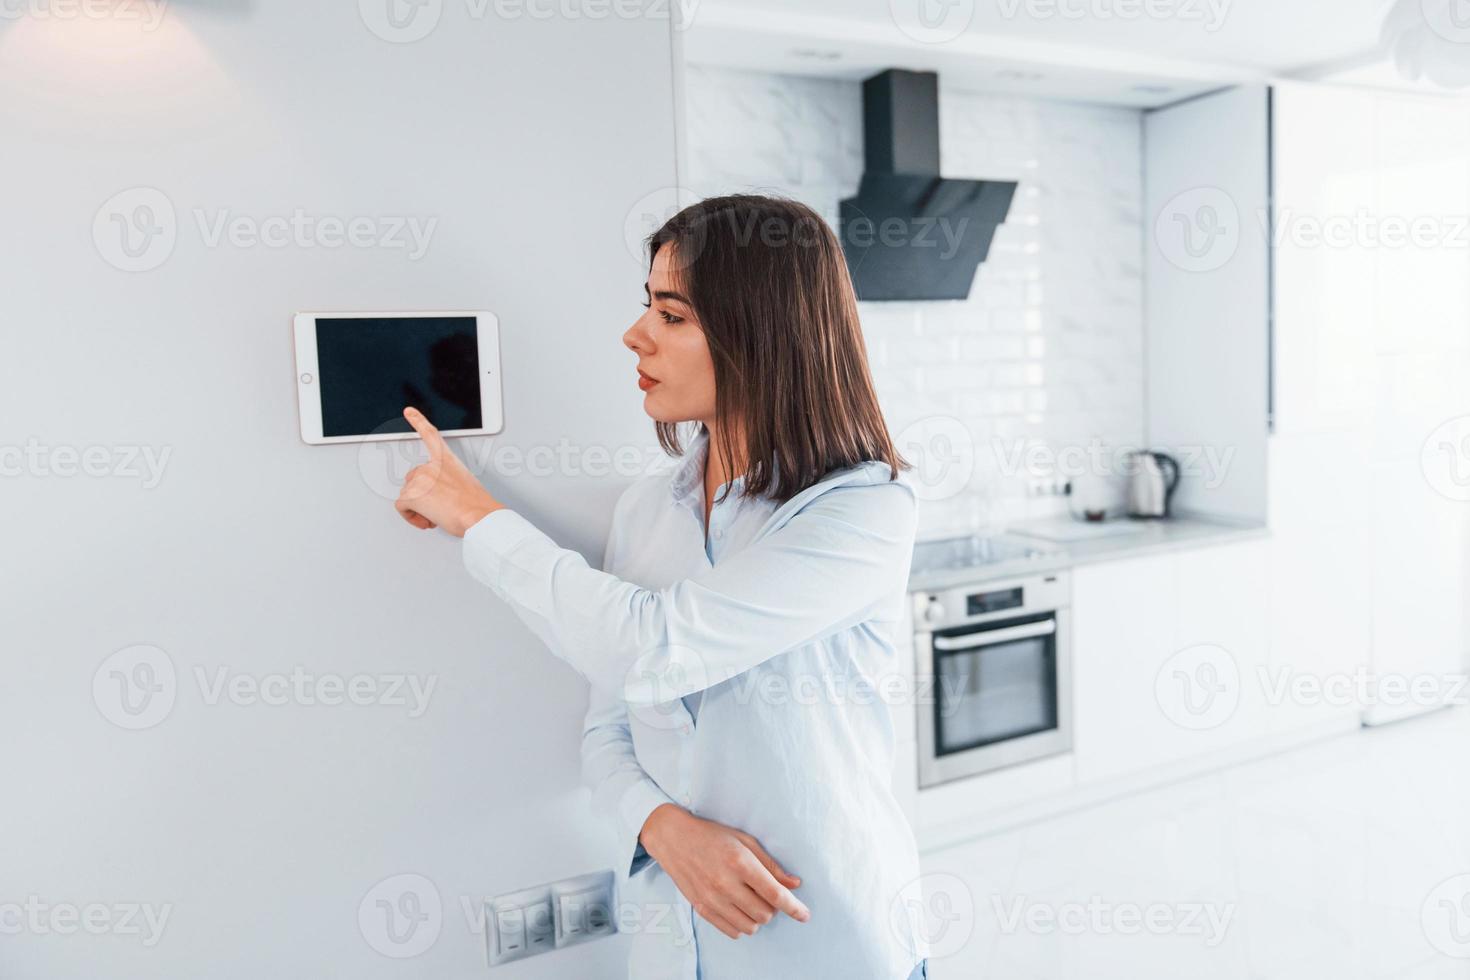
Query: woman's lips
(645,382)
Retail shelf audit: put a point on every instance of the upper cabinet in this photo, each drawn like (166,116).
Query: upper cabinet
(1323,152)
(1372,263)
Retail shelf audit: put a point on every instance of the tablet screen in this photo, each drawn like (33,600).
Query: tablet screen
(370,368)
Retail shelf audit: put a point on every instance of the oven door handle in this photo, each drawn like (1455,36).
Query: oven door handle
(987,638)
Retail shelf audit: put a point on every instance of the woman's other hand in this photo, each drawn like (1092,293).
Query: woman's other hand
(442,492)
(724,873)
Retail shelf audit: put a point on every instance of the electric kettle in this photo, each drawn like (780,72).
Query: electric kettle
(1151,483)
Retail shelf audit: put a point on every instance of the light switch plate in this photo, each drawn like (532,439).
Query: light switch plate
(547,917)
(584,908)
(518,925)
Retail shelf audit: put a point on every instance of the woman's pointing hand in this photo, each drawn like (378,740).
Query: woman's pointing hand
(442,492)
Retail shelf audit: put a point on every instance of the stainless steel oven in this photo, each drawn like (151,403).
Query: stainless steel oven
(995,664)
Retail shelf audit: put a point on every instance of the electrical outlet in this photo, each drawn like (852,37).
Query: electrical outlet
(1048,487)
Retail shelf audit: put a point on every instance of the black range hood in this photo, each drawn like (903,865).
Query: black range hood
(910,234)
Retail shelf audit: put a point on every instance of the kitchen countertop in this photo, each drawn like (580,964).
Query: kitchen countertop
(1138,539)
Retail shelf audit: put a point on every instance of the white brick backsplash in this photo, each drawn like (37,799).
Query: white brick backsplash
(1049,346)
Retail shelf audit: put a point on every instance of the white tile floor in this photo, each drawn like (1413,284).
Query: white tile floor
(1338,860)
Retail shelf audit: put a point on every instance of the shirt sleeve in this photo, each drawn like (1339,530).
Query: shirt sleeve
(621,789)
(827,568)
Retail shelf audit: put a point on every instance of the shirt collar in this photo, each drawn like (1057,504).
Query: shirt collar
(688,476)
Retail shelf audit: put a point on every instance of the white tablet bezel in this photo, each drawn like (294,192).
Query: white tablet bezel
(308,390)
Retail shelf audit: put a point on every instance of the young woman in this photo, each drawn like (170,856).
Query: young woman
(737,737)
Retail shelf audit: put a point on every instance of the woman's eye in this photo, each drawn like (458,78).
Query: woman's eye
(665,315)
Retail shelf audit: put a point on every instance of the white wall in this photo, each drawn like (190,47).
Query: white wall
(263,827)
(1048,350)
(1206,195)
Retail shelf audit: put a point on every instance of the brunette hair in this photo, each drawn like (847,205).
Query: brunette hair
(770,288)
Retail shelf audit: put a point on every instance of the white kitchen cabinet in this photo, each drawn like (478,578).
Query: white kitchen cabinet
(1323,298)
(1223,602)
(1122,631)
(1372,349)
(1418,586)
(1167,652)
(1321,598)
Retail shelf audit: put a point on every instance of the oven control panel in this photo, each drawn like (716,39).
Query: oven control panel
(992,600)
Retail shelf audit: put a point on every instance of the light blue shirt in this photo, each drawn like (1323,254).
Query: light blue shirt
(786,625)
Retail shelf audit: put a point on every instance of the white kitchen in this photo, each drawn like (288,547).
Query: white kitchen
(1165,303)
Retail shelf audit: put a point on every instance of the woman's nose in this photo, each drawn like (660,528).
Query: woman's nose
(637,338)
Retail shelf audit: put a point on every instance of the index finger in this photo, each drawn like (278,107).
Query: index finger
(432,439)
(778,895)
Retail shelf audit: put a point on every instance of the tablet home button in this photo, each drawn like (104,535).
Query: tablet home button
(306,379)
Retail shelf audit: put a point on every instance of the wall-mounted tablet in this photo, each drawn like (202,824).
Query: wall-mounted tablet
(356,372)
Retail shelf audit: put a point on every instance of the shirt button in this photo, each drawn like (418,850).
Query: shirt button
(686,729)
(686,801)
(719,534)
